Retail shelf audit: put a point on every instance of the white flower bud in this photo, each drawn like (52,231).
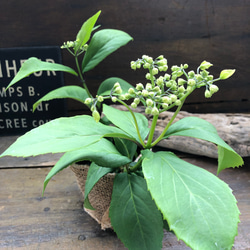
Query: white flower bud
(155,111)
(133,105)
(96,115)
(149,103)
(144,93)
(208,94)
(139,86)
(88,101)
(177,102)
(155,71)
(173,98)
(131,91)
(191,82)
(114,99)
(213,88)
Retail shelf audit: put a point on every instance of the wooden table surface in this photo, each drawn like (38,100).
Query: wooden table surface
(57,220)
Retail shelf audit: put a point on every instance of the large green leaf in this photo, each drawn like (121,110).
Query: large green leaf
(85,31)
(134,215)
(75,92)
(107,85)
(125,147)
(33,65)
(102,153)
(199,207)
(95,173)
(125,121)
(201,129)
(60,135)
(102,44)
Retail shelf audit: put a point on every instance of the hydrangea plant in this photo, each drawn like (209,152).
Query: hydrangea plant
(152,189)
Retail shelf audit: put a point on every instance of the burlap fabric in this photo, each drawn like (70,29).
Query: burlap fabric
(100,195)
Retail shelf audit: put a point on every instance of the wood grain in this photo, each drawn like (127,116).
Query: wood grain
(57,220)
(184,31)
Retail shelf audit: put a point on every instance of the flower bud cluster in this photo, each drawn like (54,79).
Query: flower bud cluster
(168,90)
(73,44)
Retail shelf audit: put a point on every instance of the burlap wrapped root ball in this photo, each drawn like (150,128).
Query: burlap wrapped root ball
(100,195)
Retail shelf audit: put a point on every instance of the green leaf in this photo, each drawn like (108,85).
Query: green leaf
(107,85)
(102,153)
(33,65)
(95,173)
(205,65)
(75,92)
(102,44)
(201,129)
(134,215)
(60,135)
(124,120)
(226,73)
(125,147)
(199,207)
(85,32)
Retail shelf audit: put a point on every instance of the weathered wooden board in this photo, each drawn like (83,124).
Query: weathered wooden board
(57,220)
(10,162)
(234,129)
(184,31)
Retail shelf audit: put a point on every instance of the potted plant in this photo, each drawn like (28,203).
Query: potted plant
(151,189)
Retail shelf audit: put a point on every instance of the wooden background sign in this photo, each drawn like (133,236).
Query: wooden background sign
(16,116)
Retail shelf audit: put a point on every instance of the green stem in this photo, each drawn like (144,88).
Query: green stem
(81,77)
(136,124)
(136,166)
(152,130)
(168,125)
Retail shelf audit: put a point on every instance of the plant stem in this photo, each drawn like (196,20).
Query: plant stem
(168,125)
(152,130)
(81,76)
(136,166)
(136,124)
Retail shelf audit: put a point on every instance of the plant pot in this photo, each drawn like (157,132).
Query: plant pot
(100,195)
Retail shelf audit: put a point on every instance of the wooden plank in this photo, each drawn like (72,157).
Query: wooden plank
(10,162)
(184,31)
(57,221)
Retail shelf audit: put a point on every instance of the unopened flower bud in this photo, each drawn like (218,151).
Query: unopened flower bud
(173,98)
(133,105)
(144,93)
(114,99)
(191,82)
(88,101)
(122,97)
(148,110)
(148,86)
(191,73)
(139,86)
(133,65)
(131,91)
(100,98)
(177,102)
(127,96)
(118,90)
(181,81)
(181,89)
(208,94)
(164,105)
(96,115)
(137,100)
(149,103)
(155,71)
(148,76)
(166,99)
(213,88)
(155,111)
